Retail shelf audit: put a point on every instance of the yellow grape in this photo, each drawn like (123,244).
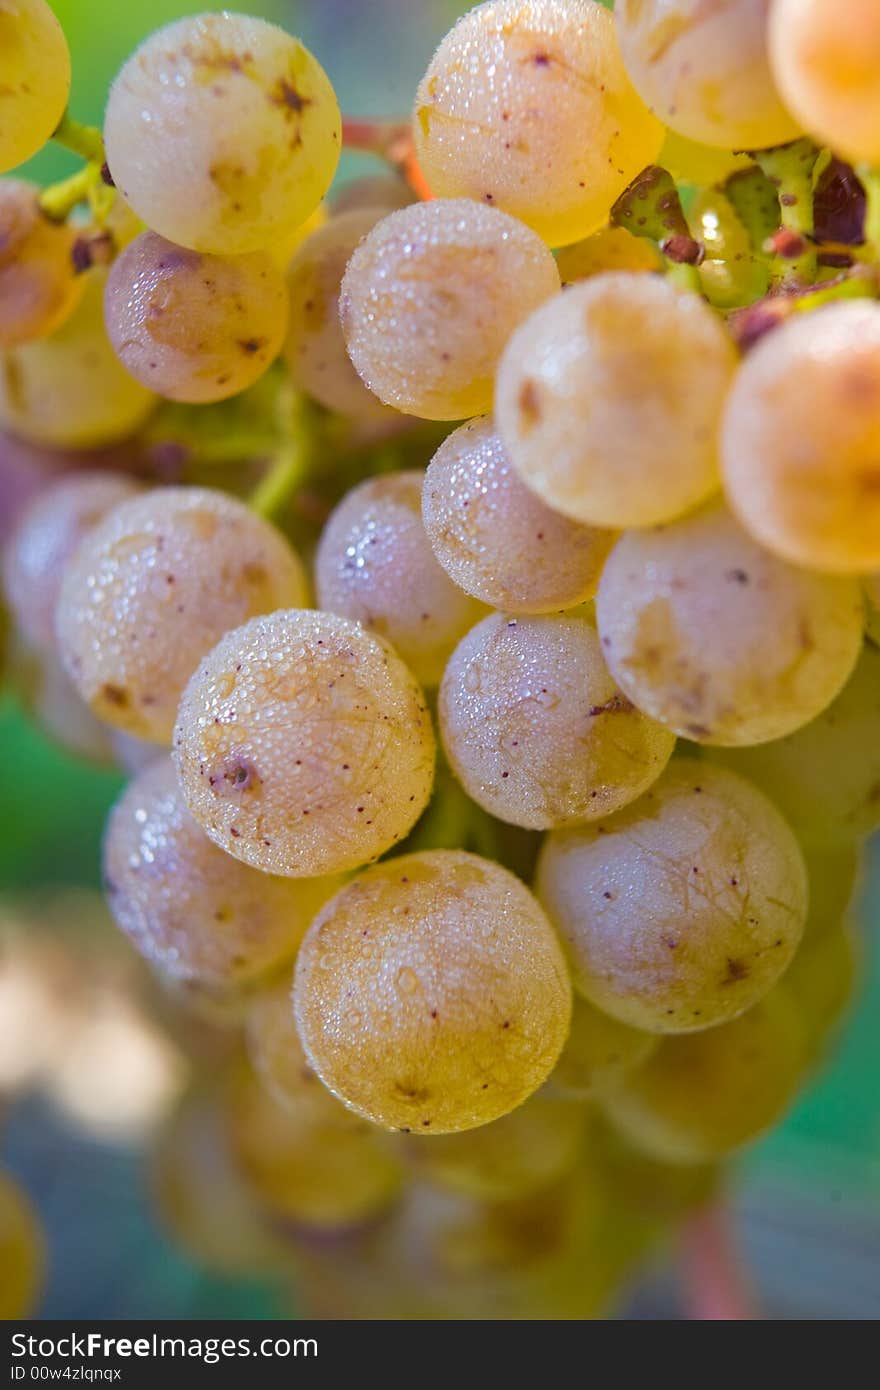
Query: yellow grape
(70,390)
(536,728)
(304,745)
(821,982)
(611,248)
(609,398)
(375,565)
(688,161)
(825,64)
(496,538)
(22,1247)
(704,69)
(682,910)
(719,639)
(190,326)
(431,994)
(730,274)
(196,913)
(812,495)
(599,1053)
(526,105)
(34,78)
(641,1185)
(153,586)
(431,296)
(277,1057)
(260,124)
(38,284)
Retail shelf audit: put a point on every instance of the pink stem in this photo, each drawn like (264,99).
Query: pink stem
(716,1284)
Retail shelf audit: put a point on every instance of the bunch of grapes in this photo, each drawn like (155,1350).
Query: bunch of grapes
(499,787)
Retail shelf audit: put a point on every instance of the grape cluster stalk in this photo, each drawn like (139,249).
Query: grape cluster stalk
(476,570)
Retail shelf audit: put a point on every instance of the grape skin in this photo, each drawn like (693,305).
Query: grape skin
(431,994)
(260,125)
(194,327)
(196,913)
(70,390)
(34,79)
(827,71)
(821,982)
(611,248)
(304,745)
(682,910)
(22,1247)
(496,538)
(705,69)
(44,538)
(52,702)
(427,305)
(535,727)
(153,586)
(810,494)
(38,286)
(599,1053)
(277,1057)
(375,565)
(526,105)
(640,449)
(720,640)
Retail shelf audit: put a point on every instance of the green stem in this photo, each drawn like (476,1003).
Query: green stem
(84,140)
(61,198)
(286,472)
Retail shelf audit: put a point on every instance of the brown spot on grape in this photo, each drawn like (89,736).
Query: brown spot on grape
(529,406)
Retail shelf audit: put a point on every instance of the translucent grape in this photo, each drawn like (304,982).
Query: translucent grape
(524,1151)
(428,302)
(22,1252)
(277,1056)
(260,127)
(821,982)
(681,911)
(688,161)
(827,71)
(45,536)
(304,745)
(70,390)
(609,397)
(496,538)
(38,285)
(825,778)
(611,248)
(599,1053)
(704,69)
(194,327)
(730,273)
(34,78)
(431,994)
(704,1096)
(719,639)
(150,590)
(315,351)
(375,565)
(639,1184)
(535,727)
(312,1172)
(810,494)
(526,105)
(196,913)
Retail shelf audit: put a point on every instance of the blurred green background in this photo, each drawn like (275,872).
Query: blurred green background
(809,1198)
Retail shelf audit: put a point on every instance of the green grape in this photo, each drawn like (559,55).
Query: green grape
(426,303)
(496,538)
(521,1153)
(431,994)
(681,911)
(826,71)
(730,274)
(810,494)
(311,1171)
(825,777)
(641,449)
(153,586)
(304,745)
(536,728)
(277,1057)
(526,105)
(702,1097)
(375,565)
(821,982)
(45,537)
(22,1246)
(836,877)
(315,349)
(718,638)
(260,127)
(194,327)
(611,248)
(39,287)
(70,390)
(688,161)
(600,1052)
(34,78)
(196,913)
(704,69)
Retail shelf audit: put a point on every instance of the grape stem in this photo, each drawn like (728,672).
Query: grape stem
(716,1285)
(59,199)
(391,141)
(84,140)
(290,459)
(88,184)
